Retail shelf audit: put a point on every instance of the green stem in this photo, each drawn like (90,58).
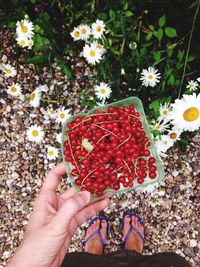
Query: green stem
(49,100)
(188,49)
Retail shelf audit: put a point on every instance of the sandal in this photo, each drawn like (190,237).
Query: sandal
(132,228)
(97,232)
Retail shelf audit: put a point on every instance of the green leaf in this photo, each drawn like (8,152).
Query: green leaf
(159,34)
(191,58)
(66,69)
(112,14)
(170,32)
(181,54)
(162,21)
(149,36)
(128,13)
(151,27)
(125,6)
(102,16)
(154,106)
(157,55)
(171,80)
(46,41)
(39,59)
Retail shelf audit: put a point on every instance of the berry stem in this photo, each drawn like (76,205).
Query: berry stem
(106,130)
(88,175)
(102,137)
(127,165)
(124,142)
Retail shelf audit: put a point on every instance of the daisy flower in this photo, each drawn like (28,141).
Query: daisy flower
(185,114)
(85,32)
(35,98)
(35,134)
(14,90)
(164,111)
(102,91)
(59,138)
(160,125)
(101,48)
(192,86)
(98,28)
(30,43)
(43,88)
(52,152)
(198,79)
(164,144)
(22,41)
(8,70)
(52,113)
(174,134)
(25,28)
(92,54)
(62,115)
(76,34)
(150,77)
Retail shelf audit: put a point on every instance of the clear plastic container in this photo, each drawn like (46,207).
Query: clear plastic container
(139,108)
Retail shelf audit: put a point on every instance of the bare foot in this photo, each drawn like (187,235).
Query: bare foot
(134,241)
(94,245)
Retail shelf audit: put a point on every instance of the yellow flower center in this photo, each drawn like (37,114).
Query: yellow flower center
(92,53)
(150,76)
(98,29)
(76,34)
(22,42)
(103,91)
(35,133)
(32,97)
(52,112)
(84,31)
(62,115)
(14,89)
(9,71)
(173,135)
(191,114)
(157,126)
(30,43)
(165,142)
(24,28)
(51,153)
(165,112)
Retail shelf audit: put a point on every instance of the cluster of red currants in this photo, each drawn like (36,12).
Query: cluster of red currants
(116,154)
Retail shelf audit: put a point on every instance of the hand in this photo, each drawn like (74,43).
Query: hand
(53,222)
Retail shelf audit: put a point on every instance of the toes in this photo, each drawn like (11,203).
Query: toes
(103,229)
(134,221)
(141,228)
(127,220)
(104,224)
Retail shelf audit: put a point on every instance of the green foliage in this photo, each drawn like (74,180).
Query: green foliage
(138,36)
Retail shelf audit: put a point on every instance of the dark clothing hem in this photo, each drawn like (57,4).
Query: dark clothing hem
(124,258)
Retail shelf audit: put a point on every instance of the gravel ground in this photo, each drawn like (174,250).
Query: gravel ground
(171,213)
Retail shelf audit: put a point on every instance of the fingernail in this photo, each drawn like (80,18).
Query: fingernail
(85,195)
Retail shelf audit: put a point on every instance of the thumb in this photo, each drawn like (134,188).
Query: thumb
(69,209)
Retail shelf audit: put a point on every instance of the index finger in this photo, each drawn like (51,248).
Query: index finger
(53,177)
